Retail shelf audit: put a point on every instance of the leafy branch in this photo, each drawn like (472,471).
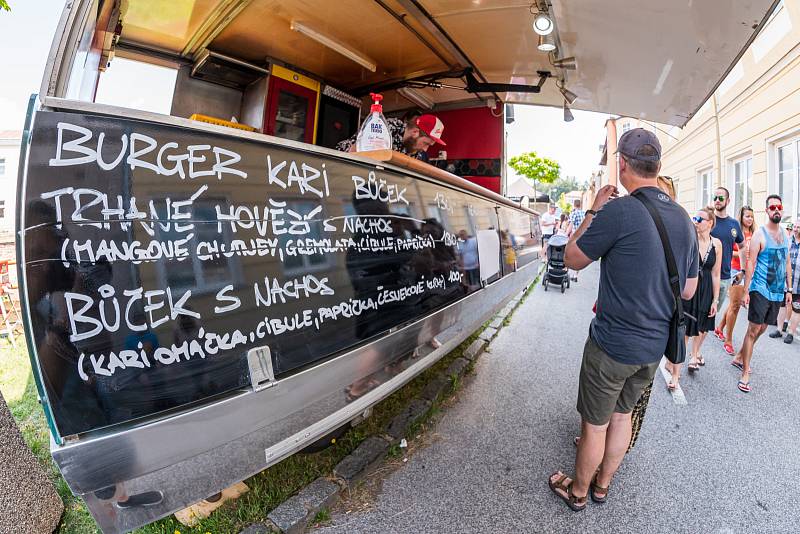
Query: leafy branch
(535,168)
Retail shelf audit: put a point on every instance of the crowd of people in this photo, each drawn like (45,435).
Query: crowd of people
(655,259)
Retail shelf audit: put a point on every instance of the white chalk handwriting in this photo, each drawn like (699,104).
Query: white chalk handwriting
(375,188)
(139,145)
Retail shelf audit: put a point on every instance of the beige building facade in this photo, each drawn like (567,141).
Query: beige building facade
(9,163)
(746,137)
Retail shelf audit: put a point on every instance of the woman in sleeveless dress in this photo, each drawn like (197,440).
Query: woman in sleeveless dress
(701,309)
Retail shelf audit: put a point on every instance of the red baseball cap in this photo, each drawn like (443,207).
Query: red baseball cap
(432,126)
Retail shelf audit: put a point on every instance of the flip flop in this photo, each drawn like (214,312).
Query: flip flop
(728,348)
(743,386)
(739,366)
(701,361)
(672,386)
(719,334)
(693,367)
(575,503)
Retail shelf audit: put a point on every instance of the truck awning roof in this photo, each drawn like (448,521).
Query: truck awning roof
(654,59)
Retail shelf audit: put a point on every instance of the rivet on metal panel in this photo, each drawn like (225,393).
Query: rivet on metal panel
(259,360)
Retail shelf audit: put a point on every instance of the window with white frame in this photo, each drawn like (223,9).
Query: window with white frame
(705,182)
(626,127)
(788,171)
(741,183)
(2,166)
(2,209)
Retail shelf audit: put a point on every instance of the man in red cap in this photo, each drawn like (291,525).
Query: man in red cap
(414,134)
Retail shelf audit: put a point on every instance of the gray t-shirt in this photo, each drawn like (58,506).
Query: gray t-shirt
(635,301)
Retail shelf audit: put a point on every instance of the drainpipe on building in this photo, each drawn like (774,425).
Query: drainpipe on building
(717,140)
(611,158)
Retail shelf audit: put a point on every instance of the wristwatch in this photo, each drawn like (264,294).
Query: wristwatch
(591,212)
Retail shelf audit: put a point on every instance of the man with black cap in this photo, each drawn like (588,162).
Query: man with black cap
(635,303)
(413,135)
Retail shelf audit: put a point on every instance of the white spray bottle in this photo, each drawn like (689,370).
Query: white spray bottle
(374,133)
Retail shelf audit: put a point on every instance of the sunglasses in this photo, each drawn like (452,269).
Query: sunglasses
(719,198)
(698,219)
(775,207)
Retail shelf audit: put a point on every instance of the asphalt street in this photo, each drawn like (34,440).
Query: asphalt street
(724,461)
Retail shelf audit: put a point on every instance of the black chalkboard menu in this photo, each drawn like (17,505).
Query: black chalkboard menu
(156,256)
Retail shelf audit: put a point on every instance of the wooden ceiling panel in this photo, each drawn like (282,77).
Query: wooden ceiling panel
(263,30)
(165,25)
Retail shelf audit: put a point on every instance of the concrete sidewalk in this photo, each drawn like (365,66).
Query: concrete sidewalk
(723,462)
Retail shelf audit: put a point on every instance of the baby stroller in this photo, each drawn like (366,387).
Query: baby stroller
(556,271)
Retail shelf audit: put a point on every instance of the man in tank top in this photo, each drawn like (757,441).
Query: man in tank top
(767,278)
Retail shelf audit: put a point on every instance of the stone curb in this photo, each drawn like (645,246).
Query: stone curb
(457,367)
(488,333)
(294,514)
(413,412)
(475,349)
(355,464)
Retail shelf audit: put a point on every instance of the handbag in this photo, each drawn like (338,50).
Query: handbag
(676,344)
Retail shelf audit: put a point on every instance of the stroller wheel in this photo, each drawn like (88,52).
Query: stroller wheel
(545,285)
(563,287)
(567,282)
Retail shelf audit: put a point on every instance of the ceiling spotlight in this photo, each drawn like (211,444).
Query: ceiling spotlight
(566,63)
(567,113)
(543,24)
(568,95)
(546,43)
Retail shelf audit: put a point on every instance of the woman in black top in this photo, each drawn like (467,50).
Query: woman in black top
(701,309)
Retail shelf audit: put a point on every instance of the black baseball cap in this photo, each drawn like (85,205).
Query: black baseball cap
(633,141)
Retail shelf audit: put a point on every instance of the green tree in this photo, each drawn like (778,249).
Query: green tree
(564,184)
(4,5)
(535,168)
(565,206)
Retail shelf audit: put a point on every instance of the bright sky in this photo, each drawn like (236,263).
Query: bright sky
(574,145)
(25,37)
(27,32)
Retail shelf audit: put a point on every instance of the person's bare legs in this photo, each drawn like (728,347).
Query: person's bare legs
(601,446)
(745,354)
(697,342)
(735,295)
(591,447)
(794,322)
(591,450)
(618,437)
(783,316)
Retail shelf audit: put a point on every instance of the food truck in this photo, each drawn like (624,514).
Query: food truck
(211,289)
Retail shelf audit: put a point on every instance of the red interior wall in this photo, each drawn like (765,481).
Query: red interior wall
(473,134)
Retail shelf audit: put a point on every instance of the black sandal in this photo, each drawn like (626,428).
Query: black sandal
(575,503)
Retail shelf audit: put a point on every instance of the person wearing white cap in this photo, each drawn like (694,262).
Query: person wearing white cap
(413,135)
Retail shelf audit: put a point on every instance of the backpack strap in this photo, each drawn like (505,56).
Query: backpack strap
(672,268)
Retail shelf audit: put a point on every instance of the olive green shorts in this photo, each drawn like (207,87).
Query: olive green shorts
(607,386)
